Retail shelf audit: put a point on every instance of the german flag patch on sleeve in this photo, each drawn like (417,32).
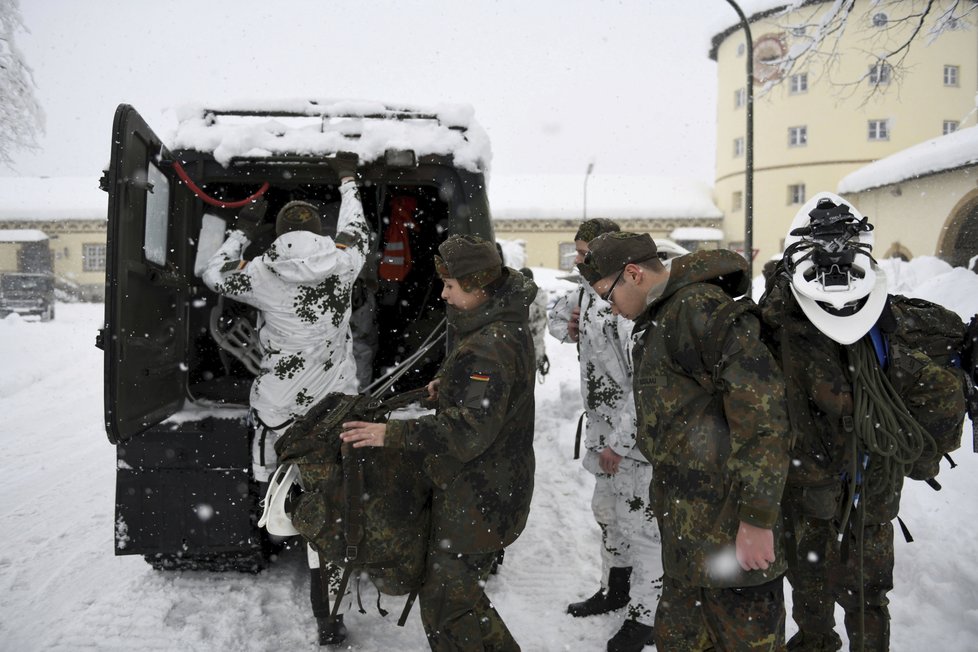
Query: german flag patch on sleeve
(475,393)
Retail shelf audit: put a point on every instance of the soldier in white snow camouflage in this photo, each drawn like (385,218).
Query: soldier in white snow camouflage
(538,326)
(631,566)
(301,287)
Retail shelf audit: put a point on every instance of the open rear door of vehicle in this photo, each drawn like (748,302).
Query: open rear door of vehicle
(144,336)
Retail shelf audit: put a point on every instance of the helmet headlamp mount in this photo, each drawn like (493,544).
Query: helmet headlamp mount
(833,275)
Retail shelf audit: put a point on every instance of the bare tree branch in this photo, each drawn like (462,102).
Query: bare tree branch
(21,115)
(815,35)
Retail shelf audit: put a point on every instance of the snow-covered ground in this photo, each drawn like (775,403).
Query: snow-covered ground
(62,588)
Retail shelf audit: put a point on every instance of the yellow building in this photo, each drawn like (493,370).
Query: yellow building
(71,211)
(932,184)
(811,129)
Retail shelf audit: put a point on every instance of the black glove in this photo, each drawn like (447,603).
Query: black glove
(345,164)
(250,218)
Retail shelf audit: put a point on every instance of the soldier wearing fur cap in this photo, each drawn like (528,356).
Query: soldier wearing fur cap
(712,420)
(478,444)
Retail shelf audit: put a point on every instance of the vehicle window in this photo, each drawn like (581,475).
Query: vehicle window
(157,216)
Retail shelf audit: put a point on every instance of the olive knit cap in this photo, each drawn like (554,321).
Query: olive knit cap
(298,215)
(590,229)
(610,252)
(472,261)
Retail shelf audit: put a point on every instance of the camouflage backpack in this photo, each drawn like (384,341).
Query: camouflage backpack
(365,509)
(939,334)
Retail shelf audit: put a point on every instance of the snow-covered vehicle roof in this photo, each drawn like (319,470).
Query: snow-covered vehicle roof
(315,127)
(22,235)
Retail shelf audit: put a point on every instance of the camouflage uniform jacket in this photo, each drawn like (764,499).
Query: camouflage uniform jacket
(820,392)
(719,450)
(479,443)
(606,373)
(301,288)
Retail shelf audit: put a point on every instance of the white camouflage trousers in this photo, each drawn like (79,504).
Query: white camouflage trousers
(630,535)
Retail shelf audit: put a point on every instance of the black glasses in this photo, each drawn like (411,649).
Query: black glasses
(607,295)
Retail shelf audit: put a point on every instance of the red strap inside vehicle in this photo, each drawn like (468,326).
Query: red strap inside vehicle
(207,199)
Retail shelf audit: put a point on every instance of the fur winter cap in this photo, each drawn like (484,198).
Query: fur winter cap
(298,216)
(472,261)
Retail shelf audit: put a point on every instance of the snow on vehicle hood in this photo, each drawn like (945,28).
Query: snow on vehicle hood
(323,127)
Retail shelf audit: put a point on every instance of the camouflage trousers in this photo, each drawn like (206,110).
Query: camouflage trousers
(823,573)
(455,611)
(630,535)
(323,602)
(696,618)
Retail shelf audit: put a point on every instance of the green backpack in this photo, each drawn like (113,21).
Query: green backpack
(365,509)
(940,334)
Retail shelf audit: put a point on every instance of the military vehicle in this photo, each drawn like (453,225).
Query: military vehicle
(179,360)
(26,274)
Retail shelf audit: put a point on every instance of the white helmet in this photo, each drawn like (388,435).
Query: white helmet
(833,276)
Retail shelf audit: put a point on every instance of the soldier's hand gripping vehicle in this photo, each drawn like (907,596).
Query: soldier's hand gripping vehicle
(179,359)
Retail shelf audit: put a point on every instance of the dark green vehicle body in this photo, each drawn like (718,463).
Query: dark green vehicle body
(175,401)
(26,274)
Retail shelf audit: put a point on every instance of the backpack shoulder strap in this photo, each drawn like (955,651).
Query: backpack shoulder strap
(718,325)
(716,329)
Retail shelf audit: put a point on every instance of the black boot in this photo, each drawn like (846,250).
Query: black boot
(809,642)
(497,562)
(600,603)
(331,631)
(632,637)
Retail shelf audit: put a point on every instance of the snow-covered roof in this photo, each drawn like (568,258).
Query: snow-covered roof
(313,127)
(614,196)
(699,233)
(22,235)
(935,155)
(725,21)
(52,198)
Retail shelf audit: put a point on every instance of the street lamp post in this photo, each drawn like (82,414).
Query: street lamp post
(590,168)
(749,164)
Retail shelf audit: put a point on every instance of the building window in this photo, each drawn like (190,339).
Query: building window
(950,126)
(879,129)
(880,19)
(796,193)
(737,200)
(93,257)
(798,83)
(880,73)
(797,136)
(566,253)
(741,49)
(738,147)
(951,75)
(740,97)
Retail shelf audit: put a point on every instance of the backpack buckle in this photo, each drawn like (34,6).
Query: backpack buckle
(351,553)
